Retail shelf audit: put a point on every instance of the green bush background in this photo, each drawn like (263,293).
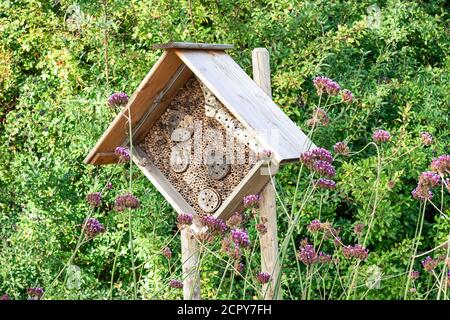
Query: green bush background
(53,91)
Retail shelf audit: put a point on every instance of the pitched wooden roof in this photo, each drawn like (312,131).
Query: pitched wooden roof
(229,83)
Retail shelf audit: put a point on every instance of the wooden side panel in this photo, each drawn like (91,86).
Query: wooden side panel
(253,183)
(161,102)
(247,102)
(160,182)
(155,81)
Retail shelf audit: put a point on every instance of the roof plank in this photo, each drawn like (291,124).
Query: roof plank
(192,46)
(155,82)
(248,103)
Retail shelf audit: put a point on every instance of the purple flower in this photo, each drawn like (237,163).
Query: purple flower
(314,226)
(251,200)
(109,185)
(422,194)
(319,117)
(167,253)
(94,199)
(235,220)
(215,225)
(126,201)
(184,219)
(265,154)
(359,228)
(239,266)
(177,284)
(118,99)
(240,237)
(35,293)
(427,138)
(324,168)
(380,136)
(323,258)
(357,251)
(429,179)
(441,164)
(429,264)
(347,96)
(263,277)
(341,148)
(122,153)
(5,297)
(415,275)
(307,254)
(324,84)
(92,228)
(308,158)
(447,184)
(261,227)
(325,184)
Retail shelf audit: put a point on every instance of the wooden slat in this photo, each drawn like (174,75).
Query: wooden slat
(253,182)
(161,102)
(105,158)
(155,81)
(157,178)
(192,46)
(247,102)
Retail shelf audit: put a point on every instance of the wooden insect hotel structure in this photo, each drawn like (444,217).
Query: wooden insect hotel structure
(193,100)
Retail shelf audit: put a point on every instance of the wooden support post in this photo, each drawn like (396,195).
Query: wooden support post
(190,260)
(269,241)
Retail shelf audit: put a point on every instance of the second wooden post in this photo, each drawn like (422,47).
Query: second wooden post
(269,240)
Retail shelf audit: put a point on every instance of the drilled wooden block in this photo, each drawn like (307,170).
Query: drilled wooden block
(209,200)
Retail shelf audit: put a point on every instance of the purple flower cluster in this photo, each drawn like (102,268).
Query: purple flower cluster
(441,164)
(240,238)
(319,117)
(324,258)
(118,99)
(429,264)
(122,153)
(314,226)
(341,148)
(177,284)
(324,168)
(357,251)
(347,96)
(184,219)
(215,225)
(92,228)
(263,277)
(380,136)
(325,183)
(427,180)
(109,185)
(261,227)
(5,297)
(427,138)
(307,254)
(35,293)
(126,201)
(415,275)
(326,85)
(421,194)
(251,200)
(319,160)
(94,199)
(167,253)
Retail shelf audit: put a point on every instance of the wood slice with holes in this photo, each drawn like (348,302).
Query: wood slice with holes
(179,159)
(218,170)
(209,200)
(174,119)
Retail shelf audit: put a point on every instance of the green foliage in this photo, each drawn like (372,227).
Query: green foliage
(60,60)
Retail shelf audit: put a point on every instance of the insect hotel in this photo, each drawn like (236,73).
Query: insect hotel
(199,124)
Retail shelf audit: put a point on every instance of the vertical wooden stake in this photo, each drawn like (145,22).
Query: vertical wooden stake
(190,260)
(269,241)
